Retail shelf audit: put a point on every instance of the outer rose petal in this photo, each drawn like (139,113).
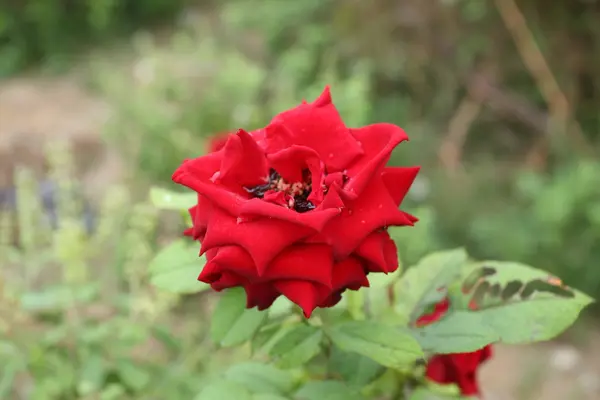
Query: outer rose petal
(398,181)
(302,273)
(263,238)
(199,214)
(229,260)
(260,295)
(201,168)
(347,274)
(379,251)
(305,294)
(227,280)
(378,141)
(186,175)
(373,210)
(318,126)
(313,263)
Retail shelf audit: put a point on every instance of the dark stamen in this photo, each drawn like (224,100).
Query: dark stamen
(301,203)
(259,191)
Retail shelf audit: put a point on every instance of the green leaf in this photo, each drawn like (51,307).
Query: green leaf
(92,375)
(269,396)
(377,295)
(540,317)
(281,307)
(427,394)
(356,370)
(457,332)
(419,285)
(388,345)
(176,268)
(267,336)
(327,390)
(355,304)
(113,391)
(232,323)
(56,298)
(168,200)
(224,390)
(298,346)
(261,378)
(503,315)
(133,375)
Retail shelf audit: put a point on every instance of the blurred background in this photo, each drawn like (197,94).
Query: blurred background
(101,99)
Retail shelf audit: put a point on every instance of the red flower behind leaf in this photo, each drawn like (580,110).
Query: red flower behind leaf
(459,368)
(299,208)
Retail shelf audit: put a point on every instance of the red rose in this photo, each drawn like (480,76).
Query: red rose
(217,142)
(459,368)
(299,208)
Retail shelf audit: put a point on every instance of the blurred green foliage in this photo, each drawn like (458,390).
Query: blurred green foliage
(79,318)
(33,30)
(411,63)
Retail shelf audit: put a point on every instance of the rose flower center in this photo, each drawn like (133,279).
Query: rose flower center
(296,193)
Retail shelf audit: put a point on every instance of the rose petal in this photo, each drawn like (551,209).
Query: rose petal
(279,198)
(440,309)
(202,185)
(199,215)
(336,178)
(411,218)
(303,262)
(202,168)
(259,137)
(379,251)
(261,238)
(398,181)
(243,164)
(378,141)
(373,210)
(305,294)
(347,274)
(231,259)
(260,295)
(291,162)
(318,126)
(439,370)
(227,280)
(466,362)
(314,219)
